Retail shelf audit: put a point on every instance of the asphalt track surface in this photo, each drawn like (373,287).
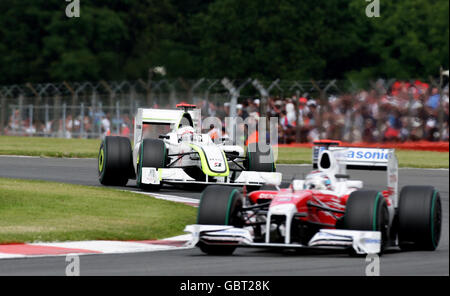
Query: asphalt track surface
(260,262)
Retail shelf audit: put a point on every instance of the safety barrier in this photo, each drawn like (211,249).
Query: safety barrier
(419,145)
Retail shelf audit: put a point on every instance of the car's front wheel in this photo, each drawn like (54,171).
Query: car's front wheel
(152,154)
(219,205)
(367,210)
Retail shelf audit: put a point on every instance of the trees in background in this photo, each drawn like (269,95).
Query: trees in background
(288,39)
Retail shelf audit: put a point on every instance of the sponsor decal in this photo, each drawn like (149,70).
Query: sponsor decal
(368,155)
(265,196)
(233,231)
(371,241)
(284,199)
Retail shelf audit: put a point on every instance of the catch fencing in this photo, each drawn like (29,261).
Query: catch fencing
(335,108)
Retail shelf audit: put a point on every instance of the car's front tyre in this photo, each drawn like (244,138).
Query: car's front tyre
(219,205)
(367,210)
(153,154)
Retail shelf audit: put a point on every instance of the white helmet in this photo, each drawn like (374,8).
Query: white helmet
(186,133)
(317,180)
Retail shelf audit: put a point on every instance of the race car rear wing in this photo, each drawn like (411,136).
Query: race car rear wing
(172,117)
(358,158)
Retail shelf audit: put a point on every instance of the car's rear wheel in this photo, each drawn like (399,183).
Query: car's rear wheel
(115,163)
(419,218)
(367,210)
(219,205)
(153,154)
(259,161)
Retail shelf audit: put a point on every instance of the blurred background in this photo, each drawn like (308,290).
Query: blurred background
(323,68)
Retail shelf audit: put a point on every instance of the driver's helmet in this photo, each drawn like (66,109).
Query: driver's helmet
(317,180)
(186,133)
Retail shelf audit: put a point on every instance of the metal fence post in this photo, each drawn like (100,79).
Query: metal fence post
(132,99)
(56,108)
(441,104)
(30,118)
(264,96)
(172,95)
(74,95)
(191,90)
(410,113)
(118,118)
(82,120)
(297,114)
(13,117)
(20,113)
(37,101)
(323,103)
(64,119)
(235,93)
(298,120)
(47,119)
(2,115)
(207,91)
(234,96)
(99,125)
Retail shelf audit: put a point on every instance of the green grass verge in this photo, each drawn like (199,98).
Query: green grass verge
(47,211)
(406,158)
(50,147)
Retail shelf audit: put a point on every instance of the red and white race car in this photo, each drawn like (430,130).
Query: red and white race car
(325,210)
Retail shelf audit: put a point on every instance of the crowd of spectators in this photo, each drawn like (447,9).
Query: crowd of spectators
(94,124)
(406,111)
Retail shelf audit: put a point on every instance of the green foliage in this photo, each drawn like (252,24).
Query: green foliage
(287,39)
(409,40)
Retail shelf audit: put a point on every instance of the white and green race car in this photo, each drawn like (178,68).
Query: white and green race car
(169,148)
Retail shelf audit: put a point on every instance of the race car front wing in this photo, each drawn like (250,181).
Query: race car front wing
(362,242)
(178,175)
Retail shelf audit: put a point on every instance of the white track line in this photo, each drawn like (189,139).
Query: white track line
(103,247)
(173,198)
(109,247)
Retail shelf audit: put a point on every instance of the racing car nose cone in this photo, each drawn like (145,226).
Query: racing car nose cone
(283,209)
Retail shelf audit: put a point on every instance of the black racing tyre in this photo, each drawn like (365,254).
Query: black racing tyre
(152,153)
(219,205)
(419,218)
(259,161)
(367,210)
(115,161)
